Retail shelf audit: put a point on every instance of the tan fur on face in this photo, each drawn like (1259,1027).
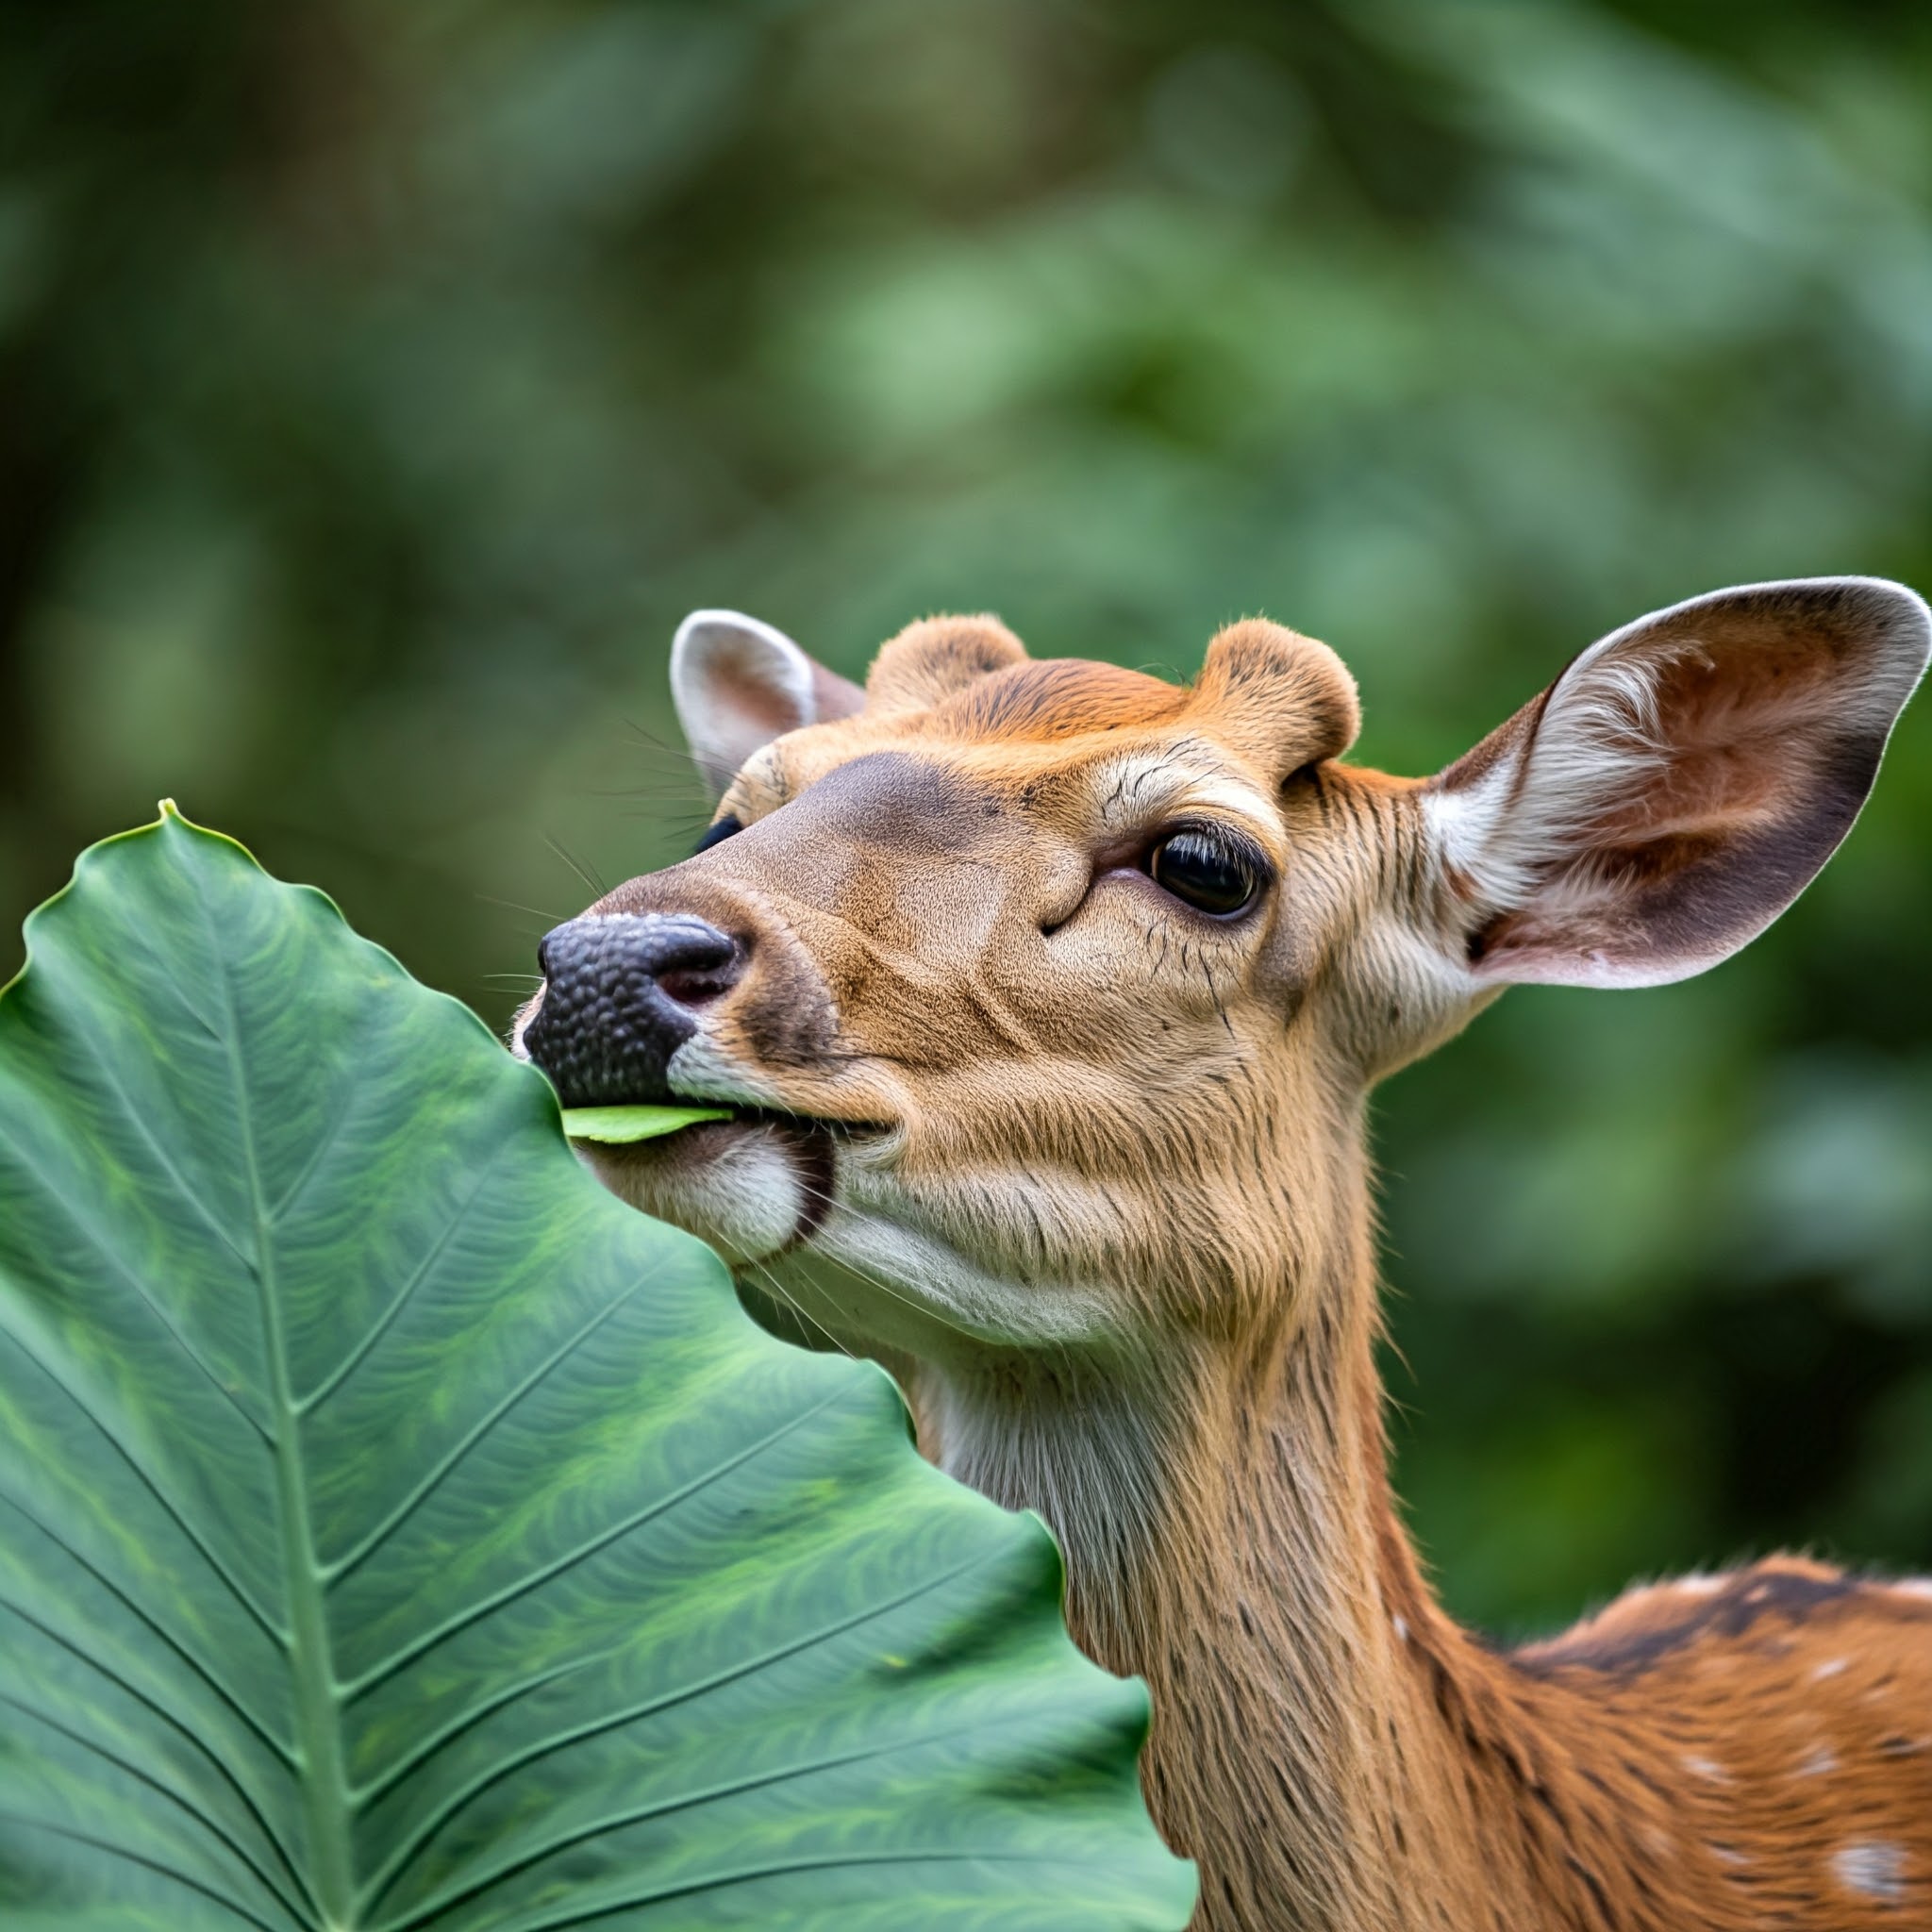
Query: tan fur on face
(1085,1082)
(1087,1169)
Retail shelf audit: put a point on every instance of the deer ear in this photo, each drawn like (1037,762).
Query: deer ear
(738,684)
(935,657)
(1678,786)
(1282,699)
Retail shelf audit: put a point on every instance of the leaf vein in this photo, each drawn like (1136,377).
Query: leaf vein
(307,1404)
(665,1807)
(123,1852)
(129,1687)
(324,1145)
(96,1052)
(154,1490)
(95,1239)
(743,1668)
(784,1868)
(543,1574)
(335,1571)
(210,1824)
(318,1708)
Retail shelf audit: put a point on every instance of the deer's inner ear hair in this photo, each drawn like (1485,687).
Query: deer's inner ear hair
(718,829)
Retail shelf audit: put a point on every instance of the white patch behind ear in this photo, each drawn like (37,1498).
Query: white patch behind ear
(738,683)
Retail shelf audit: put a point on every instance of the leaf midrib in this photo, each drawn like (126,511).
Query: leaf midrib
(321,1768)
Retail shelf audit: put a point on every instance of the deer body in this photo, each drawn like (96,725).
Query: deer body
(1050,997)
(1727,1751)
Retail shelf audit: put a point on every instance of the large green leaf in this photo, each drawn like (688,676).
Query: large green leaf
(395,1531)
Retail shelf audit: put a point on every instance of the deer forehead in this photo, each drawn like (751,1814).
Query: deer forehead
(1081,747)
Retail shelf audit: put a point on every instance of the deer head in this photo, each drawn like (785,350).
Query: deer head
(1046,997)
(1049,991)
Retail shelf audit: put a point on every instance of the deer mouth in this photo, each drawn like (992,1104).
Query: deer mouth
(741,1114)
(757,1185)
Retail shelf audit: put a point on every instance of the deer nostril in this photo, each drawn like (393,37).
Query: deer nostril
(619,992)
(698,989)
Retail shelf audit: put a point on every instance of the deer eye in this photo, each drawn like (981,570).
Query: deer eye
(1209,870)
(721,828)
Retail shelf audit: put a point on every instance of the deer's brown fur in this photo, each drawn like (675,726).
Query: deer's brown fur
(1087,1168)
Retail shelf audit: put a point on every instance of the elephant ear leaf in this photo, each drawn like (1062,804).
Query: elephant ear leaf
(397,1532)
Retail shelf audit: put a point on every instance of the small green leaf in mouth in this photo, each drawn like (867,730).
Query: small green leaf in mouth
(616,1126)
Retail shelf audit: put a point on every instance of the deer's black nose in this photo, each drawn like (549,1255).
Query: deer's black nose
(619,994)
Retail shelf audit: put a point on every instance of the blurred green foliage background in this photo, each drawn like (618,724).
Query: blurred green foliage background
(378,385)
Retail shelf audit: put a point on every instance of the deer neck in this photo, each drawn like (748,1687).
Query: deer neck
(1229,1536)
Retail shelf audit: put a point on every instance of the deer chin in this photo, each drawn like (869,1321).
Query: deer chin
(753,1187)
(806,1207)
(881,1274)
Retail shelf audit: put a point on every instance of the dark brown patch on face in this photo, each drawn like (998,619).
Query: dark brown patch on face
(892,801)
(784,1012)
(815,1166)
(859,867)
(1063,697)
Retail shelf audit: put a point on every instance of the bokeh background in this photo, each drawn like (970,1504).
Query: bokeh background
(379,384)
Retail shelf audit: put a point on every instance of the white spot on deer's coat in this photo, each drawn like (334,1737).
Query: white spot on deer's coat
(1822,1760)
(1705,1767)
(1401,1630)
(1830,1667)
(1876,1870)
(1725,1855)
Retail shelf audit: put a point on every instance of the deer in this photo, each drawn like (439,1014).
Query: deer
(1043,999)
